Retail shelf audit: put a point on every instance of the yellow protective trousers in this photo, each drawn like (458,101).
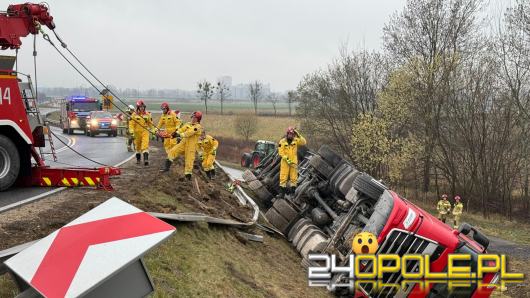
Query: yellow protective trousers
(208,160)
(169,143)
(288,173)
(188,146)
(141,141)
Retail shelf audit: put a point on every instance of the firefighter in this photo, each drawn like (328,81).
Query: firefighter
(189,134)
(457,212)
(140,127)
(208,150)
(443,207)
(288,151)
(129,136)
(169,122)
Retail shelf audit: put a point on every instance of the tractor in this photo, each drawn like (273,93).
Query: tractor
(262,149)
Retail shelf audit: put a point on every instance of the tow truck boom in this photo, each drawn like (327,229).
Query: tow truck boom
(20,20)
(21,125)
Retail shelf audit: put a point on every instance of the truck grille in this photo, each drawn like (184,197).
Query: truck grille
(401,242)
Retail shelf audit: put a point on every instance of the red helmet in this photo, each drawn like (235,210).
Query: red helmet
(290,129)
(197,114)
(140,103)
(457,198)
(164,105)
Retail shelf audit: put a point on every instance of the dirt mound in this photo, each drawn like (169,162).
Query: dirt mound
(144,187)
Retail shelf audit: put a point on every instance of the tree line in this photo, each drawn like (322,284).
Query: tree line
(444,107)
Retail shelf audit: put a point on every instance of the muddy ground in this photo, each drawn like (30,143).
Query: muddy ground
(36,220)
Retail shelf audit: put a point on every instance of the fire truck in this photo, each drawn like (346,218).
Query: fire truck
(74,111)
(22,129)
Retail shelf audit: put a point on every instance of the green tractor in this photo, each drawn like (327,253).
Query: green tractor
(261,150)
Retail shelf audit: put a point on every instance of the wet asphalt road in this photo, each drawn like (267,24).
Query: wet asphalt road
(103,149)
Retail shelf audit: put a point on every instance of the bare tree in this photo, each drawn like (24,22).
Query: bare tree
(255,90)
(205,91)
(273,98)
(246,125)
(291,98)
(431,37)
(223,92)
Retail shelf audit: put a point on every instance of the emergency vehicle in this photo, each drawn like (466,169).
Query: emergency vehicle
(74,112)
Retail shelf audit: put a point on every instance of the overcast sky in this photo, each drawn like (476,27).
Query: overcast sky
(173,44)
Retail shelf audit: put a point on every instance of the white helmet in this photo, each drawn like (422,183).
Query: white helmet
(131,108)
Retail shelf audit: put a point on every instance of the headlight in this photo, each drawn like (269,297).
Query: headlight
(94,122)
(113,122)
(74,121)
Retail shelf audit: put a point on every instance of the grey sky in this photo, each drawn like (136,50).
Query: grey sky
(173,44)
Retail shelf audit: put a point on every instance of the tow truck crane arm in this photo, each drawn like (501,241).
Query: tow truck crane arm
(21,127)
(20,20)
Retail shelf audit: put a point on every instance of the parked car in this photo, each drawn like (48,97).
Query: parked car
(334,201)
(101,122)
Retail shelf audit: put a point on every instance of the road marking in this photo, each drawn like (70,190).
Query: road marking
(51,192)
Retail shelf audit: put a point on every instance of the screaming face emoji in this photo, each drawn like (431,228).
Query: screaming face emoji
(364,243)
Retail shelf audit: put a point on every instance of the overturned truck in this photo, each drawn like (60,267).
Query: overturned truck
(334,201)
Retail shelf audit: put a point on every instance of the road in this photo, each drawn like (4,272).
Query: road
(103,149)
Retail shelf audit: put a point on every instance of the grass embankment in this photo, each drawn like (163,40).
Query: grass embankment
(496,225)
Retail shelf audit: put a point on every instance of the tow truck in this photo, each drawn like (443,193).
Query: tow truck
(22,128)
(74,111)
(334,201)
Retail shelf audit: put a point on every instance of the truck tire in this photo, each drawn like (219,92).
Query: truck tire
(248,176)
(9,163)
(321,166)
(329,155)
(369,186)
(277,220)
(285,209)
(264,196)
(245,160)
(256,160)
(70,131)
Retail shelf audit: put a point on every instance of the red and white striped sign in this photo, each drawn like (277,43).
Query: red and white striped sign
(85,252)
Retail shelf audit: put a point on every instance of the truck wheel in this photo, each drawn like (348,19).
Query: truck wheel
(321,166)
(70,131)
(256,159)
(329,155)
(277,220)
(9,163)
(115,133)
(92,134)
(369,186)
(285,209)
(245,160)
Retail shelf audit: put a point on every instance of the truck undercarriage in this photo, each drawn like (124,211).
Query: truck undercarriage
(334,201)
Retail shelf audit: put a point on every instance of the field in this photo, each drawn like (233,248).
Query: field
(230,107)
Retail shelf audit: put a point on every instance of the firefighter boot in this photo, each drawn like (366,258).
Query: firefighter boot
(209,174)
(281,193)
(138,158)
(292,189)
(146,158)
(213,173)
(188,177)
(167,166)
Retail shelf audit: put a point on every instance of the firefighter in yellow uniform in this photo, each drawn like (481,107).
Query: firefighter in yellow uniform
(208,150)
(288,151)
(443,207)
(189,134)
(140,126)
(457,212)
(169,122)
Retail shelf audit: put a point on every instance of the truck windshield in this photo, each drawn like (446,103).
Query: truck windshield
(84,106)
